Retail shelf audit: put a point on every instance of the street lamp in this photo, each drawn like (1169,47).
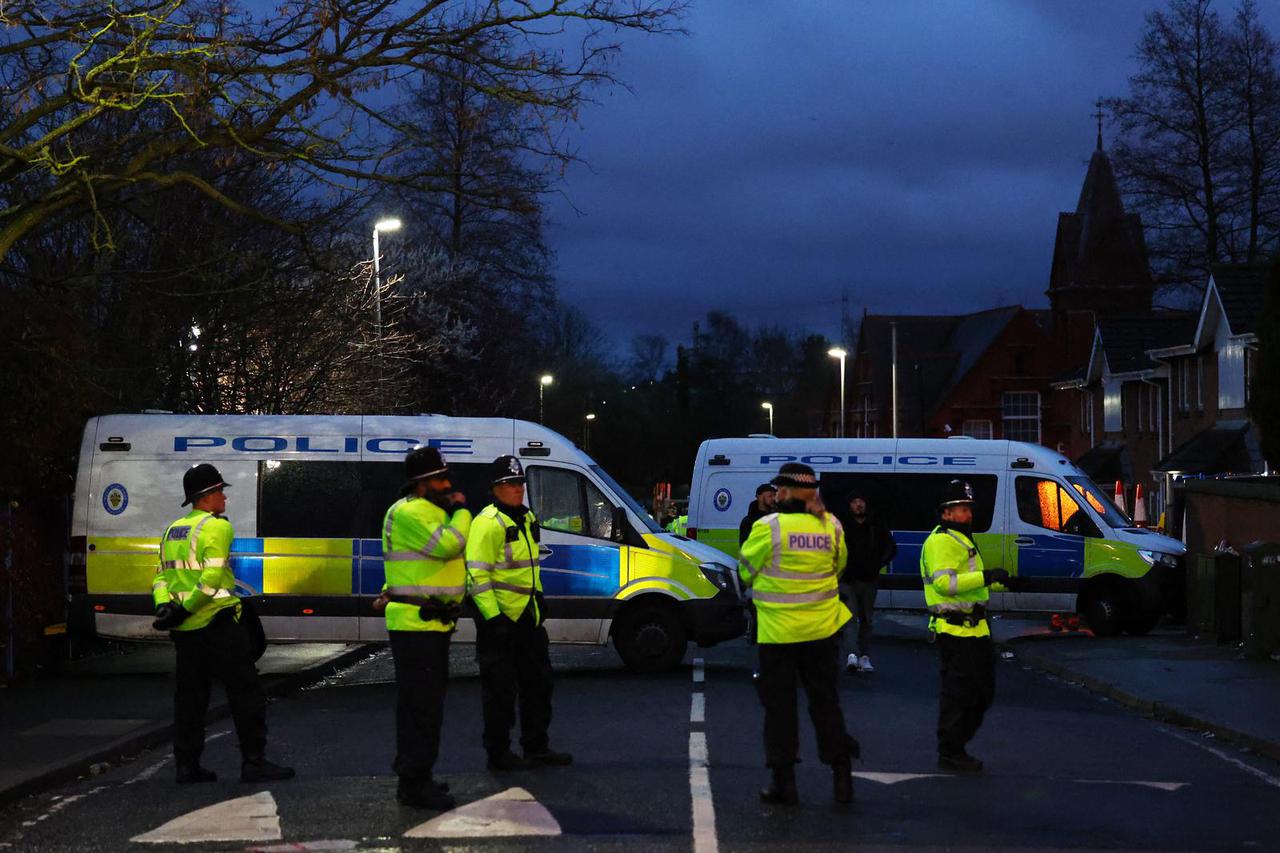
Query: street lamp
(837,352)
(382,225)
(543,381)
(586,433)
(769,407)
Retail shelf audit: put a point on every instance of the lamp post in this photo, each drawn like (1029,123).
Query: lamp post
(837,352)
(543,381)
(586,432)
(769,408)
(382,225)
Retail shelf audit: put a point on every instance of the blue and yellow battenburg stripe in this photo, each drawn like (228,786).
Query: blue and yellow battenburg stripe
(279,565)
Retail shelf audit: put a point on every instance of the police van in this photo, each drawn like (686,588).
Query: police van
(1037,515)
(307,499)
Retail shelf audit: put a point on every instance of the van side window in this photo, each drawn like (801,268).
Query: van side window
(908,501)
(308,500)
(382,484)
(566,501)
(1045,503)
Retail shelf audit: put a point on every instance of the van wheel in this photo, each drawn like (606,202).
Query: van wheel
(650,638)
(1102,607)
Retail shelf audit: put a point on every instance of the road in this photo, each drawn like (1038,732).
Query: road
(1066,770)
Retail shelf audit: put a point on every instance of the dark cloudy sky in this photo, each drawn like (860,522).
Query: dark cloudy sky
(913,152)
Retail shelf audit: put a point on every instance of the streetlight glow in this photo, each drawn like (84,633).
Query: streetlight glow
(769,408)
(591,417)
(839,352)
(391,224)
(547,379)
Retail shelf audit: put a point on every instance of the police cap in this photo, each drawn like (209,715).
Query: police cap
(200,480)
(958,493)
(505,469)
(796,475)
(423,462)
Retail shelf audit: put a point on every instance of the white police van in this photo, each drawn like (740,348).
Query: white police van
(1037,515)
(307,499)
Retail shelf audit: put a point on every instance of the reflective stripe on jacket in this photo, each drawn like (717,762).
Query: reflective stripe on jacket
(195,568)
(792,561)
(502,564)
(422,549)
(951,570)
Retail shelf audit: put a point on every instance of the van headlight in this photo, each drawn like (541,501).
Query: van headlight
(1158,558)
(718,574)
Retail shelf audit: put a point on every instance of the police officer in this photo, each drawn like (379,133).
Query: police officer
(194,594)
(424,536)
(955,590)
(792,561)
(504,581)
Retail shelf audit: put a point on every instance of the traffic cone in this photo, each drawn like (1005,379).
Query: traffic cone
(1139,508)
(1120,496)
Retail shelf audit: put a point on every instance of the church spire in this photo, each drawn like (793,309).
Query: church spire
(1097,105)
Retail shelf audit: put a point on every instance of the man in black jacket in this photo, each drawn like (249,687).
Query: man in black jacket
(765,503)
(871,547)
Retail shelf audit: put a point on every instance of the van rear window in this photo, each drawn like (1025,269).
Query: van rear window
(908,501)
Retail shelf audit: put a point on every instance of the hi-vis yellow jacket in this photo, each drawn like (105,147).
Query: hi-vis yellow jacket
(422,550)
(792,561)
(951,568)
(502,564)
(195,568)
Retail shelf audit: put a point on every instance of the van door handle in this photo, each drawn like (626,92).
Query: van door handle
(543,552)
(1024,540)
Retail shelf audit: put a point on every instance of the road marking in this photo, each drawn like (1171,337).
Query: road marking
(1159,786)
(512,812)
(148,772)
(305,846)
(895,778)
(1248,768)
(704,810)
(252,818)
(61,803)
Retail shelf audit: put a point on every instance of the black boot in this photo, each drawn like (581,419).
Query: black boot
(959,762)
(425,794)
(548,758)
(255,768)
(842,778)
(783,789)
(190,774)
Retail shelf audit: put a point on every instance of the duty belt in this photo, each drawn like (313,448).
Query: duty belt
(972,619)
(429,609)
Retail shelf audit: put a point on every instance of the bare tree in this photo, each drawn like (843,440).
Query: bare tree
(303,85)
(1199,147)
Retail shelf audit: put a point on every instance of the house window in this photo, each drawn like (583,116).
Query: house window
(1231,376)
(1184,384)
(1020,414)
(976,429)
(1199,383)
(1112,407)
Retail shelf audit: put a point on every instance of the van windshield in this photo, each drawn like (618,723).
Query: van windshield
(632,504)
(1101,504)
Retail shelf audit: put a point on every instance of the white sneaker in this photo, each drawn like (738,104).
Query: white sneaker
(853,665)
(864,664)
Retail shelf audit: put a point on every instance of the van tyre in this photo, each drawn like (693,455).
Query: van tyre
(650,638)
(1103,608)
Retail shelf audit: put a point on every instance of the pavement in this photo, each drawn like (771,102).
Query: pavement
(99,710)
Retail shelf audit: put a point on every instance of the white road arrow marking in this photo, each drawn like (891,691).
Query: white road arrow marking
(1159,786)
(252,818)
(510,813)
(895,778)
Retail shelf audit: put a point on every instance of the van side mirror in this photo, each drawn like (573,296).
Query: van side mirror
(619,530)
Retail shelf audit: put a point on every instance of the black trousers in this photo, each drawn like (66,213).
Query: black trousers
(968,689)
(422,674)
(222,651)
(863,606)
(515,669)
(815,664)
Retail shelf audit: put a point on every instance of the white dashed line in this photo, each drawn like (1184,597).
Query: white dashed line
(1159,786)
(704,812)
(1248,768)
